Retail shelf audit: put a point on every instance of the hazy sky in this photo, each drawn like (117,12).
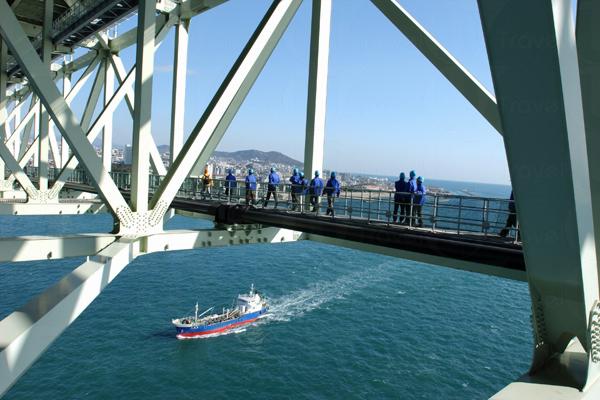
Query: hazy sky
(389,109)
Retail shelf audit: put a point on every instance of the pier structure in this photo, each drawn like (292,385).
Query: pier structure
(544,64)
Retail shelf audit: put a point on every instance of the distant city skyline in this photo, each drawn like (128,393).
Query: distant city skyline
(389,109)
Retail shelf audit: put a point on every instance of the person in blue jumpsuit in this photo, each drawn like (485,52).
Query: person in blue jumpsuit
(412,188)
(418,202)
(315,190)
(401,199)
(250,188)
(272,187)
(296,189)
(303,191)
(332,190)
(230,182)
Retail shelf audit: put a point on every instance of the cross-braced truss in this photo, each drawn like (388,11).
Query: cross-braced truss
(545,75)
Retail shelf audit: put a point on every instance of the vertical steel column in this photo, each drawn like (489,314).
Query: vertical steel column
(142,110)
(3,99)
(533,59)
(44,122)
(107,132)
(26,134)
(64,146)
(179,82)
(588,51)
(16,122)
(317,86)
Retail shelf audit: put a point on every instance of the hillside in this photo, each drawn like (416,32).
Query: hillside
(268,157)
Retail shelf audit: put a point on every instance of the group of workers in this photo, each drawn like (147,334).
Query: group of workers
(409,198)
(301,189)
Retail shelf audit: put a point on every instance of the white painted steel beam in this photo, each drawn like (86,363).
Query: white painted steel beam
(56,208)
(31,248)
(195,239)
(142,110)
(220,112)
(107,132)
(3,103)
(26,151)
(533,59)
(94,96)
(588,51)
(55,104)
(44,122)
(64,146)
(27,332)
(17,171)
(179,82)
(457,74)
(96,128)
(317,86)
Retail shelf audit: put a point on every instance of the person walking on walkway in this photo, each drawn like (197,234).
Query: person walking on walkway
(401,199)
(418,202)
(250,188)
(332,190)
(511,221)
(272,187)
(295,189)
(206,183)
(315,190)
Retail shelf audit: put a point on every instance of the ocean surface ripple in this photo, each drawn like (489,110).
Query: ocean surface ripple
(343,324)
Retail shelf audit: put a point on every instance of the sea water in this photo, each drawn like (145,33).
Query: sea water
(343,324)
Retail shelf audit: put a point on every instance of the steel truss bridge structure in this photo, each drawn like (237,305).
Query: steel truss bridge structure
(546,77)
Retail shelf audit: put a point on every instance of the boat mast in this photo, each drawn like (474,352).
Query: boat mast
(196,311)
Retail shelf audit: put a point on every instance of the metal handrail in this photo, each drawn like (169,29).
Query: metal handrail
(441,212)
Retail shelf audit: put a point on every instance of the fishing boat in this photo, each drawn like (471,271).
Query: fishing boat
(249,307)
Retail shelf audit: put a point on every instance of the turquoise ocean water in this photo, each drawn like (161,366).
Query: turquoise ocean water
(344,324)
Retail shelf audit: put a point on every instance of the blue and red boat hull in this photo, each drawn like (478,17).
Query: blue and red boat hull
(195,331)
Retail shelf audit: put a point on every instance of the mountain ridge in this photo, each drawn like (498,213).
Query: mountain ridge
(272,157)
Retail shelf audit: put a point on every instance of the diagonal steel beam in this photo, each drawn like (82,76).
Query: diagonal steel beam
(95,129)
(157,164)
(27,332)
(222,109)
(17,171)
(59,110)
(92,101)
(458,75)
(27,151)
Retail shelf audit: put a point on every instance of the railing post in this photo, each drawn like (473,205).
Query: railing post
(351,205)
(459,214)
(389,211)
(410,218)
(362,202)
(485,222)
(435,211)
(378,205)
(369,210)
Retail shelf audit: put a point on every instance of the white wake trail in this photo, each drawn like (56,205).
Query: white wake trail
(301,301)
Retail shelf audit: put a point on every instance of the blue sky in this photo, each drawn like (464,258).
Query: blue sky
(389,109)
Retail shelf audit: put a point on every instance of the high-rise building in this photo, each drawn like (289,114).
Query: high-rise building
(127,155)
